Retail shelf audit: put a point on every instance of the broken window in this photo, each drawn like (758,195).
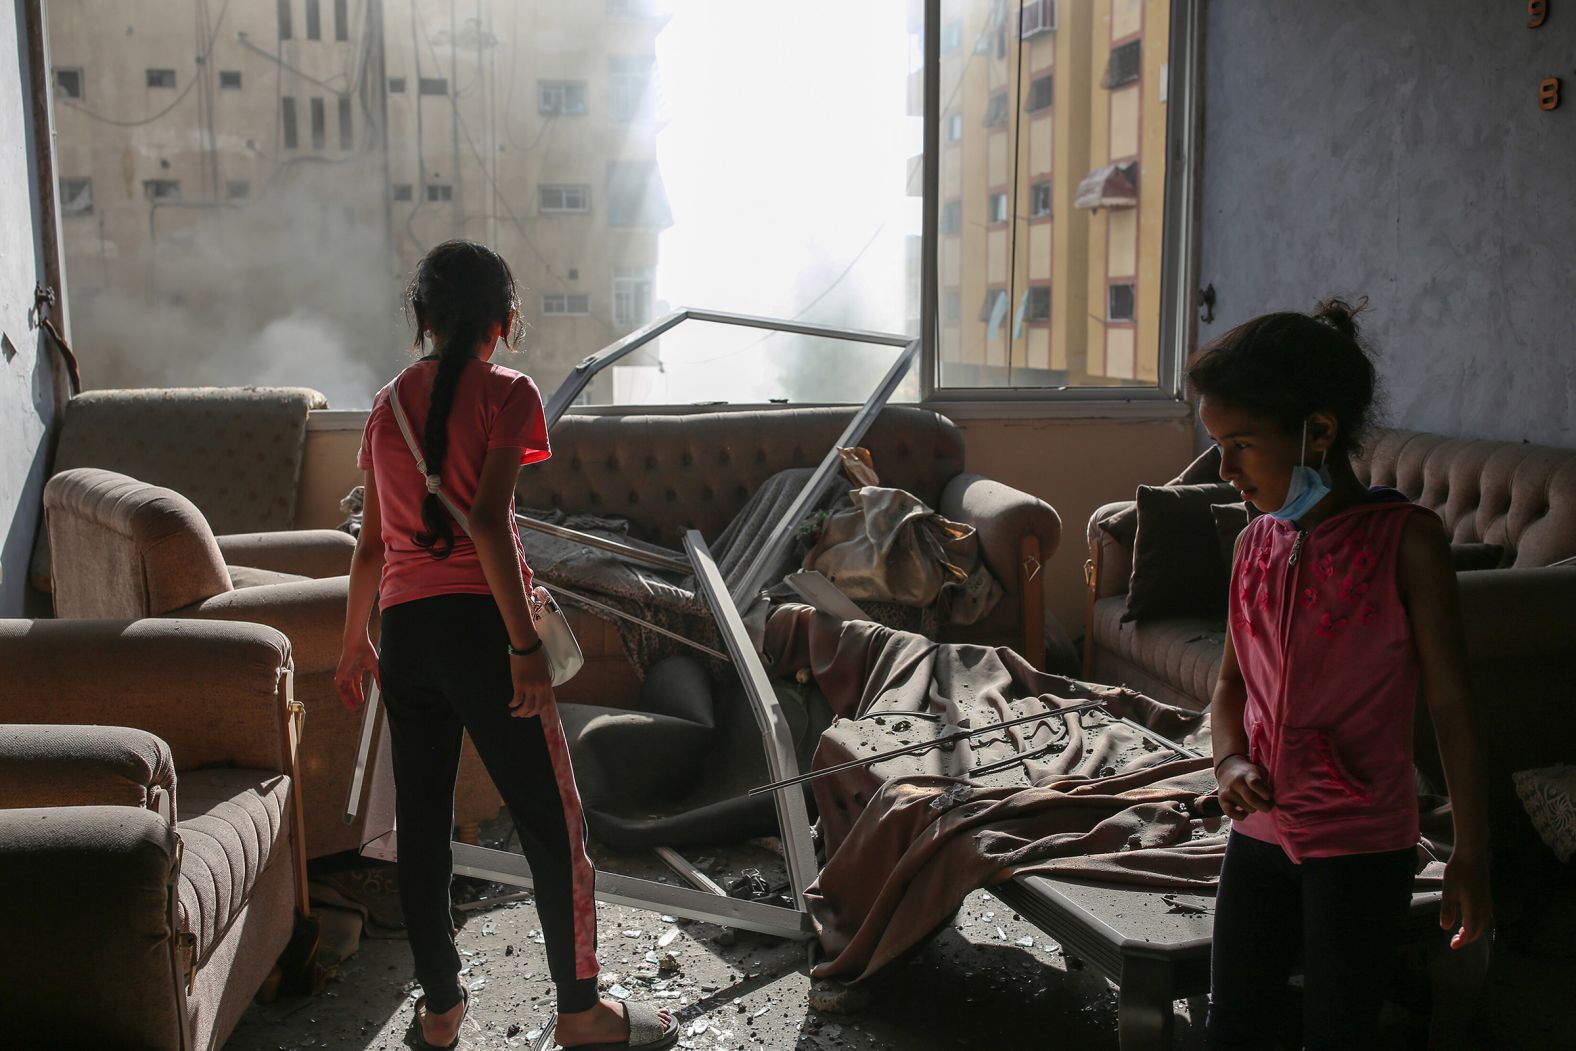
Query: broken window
(161,78)
(996,110)
(76,196)
(1041,92)
(563,197)
(440,191)
(1125,65)
(68,83)
(1119,302)
(162,189)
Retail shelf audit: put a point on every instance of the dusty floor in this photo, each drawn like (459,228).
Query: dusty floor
(991,982)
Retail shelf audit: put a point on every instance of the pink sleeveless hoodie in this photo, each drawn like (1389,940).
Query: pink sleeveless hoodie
(1326,652)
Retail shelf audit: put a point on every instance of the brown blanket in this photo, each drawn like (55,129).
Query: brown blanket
(908,838)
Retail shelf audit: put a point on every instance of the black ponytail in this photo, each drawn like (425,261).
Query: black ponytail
(460,289)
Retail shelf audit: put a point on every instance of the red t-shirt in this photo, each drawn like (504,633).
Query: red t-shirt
(494,408)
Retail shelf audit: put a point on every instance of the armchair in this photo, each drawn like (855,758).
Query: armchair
(126,549)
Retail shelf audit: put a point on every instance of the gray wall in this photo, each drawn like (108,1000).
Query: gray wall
(1397,150)
(27,386)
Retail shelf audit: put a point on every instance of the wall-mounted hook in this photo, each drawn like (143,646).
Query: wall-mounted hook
(1206,296)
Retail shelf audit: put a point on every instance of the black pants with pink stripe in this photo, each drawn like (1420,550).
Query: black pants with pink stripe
(444,667)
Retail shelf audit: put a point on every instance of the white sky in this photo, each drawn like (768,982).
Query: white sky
(784,152)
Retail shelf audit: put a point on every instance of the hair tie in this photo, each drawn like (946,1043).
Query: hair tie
(434,483)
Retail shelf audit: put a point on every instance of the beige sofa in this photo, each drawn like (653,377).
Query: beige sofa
(126,549)
(669,473)
(234,452)
(1520,620)
(147,884)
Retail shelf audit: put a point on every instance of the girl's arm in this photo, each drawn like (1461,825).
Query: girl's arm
(1244,785)
(1428,586)
(492,531)
(357,657)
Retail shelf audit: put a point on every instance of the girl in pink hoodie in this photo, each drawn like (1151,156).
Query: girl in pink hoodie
(1343,605)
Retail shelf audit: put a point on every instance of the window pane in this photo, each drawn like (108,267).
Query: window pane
(68,83)
(534,127)
(1063,143)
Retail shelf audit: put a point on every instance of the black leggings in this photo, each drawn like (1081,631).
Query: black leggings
(444,667)
(1345,915)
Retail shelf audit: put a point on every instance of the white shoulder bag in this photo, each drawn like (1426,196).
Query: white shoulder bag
(563,654)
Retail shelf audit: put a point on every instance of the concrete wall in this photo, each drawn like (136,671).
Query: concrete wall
(1398,150)
(27,398)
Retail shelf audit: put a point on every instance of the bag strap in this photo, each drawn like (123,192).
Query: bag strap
(421,462)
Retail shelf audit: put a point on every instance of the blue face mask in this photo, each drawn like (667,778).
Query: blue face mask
(1307,486)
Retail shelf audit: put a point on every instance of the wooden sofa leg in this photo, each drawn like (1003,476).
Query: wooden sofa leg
(1092,585)
(1031,592)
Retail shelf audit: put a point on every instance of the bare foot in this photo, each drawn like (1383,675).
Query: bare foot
(606,1023)
(440,1030)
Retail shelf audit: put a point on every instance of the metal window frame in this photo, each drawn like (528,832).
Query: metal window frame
(1184,93)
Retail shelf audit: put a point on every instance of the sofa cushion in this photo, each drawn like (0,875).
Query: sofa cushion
(250,577)
(1230,521)
(1205,470)
(1183,652)
(1549,794)
(234,823)
(1177,568)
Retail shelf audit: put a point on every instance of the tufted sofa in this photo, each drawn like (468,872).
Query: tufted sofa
(670,473)
(1520,620)
(147,877)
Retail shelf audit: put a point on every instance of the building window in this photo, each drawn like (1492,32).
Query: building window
(561,96)
(1126,65)
(1037,303)
(68,83)
(347,138)
(396,85)
(636,196)
(954,127)
(162,189)
(1039,200)
(629,77)
(314,20)
(632,288)
(563,197)
(996,207)
(1037,16)
(237,190)
(1042,92)
(951,306)
(566,304)
(76,196)
(319,124)
(994,308)
(285,30)
(161,78)
(1119,302)
(952,37)
(229,80)
(433,86)
(341,20)
(402,191)
(996,111)
(952,218)
(440,191)
(287,121)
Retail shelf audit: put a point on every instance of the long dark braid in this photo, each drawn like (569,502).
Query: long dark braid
(460,289)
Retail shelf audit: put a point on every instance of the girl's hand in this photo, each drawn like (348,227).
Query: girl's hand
(533,685)
(1466,898)
(1244,787)
(357,660)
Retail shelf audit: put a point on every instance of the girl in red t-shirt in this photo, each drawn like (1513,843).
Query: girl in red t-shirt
(459,651)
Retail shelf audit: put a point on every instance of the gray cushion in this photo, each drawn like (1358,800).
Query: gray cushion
(1183,652)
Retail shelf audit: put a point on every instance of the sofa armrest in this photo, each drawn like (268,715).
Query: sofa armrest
(213,692)
(87,905)
(1113,560)
(1519,612)
(43,766)
(305,552)
(1002,516)
(311,613)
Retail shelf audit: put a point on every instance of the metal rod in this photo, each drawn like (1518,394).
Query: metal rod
(603,607)
(1160,739)
(944,739)
(692,875)
(671,563)
(369,719)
